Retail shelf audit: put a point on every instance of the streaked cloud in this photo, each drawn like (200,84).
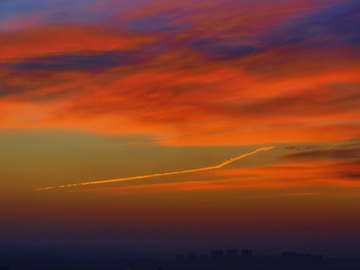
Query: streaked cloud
(199,73)
(326,154)
(83,62)
(45,41)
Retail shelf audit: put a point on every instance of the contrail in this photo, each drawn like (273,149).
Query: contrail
(226,162)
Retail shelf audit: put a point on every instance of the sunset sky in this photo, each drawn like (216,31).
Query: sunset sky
(96,90)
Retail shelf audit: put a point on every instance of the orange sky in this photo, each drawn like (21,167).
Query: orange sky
(99,90)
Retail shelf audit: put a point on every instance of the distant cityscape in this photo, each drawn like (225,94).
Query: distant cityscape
(234,259)
(216,259)
(231,255)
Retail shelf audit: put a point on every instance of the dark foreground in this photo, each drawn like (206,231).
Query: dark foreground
(228,259)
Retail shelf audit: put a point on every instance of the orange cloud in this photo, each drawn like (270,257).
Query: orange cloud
(45,40)
(179,88)
(208,104)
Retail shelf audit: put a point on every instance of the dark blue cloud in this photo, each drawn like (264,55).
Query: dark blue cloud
(231,52)
(10,9)
(87,62)
(6,90)
(13,8)
(60,16)
(76,16)
(219,50)
(153,25)
(333,26)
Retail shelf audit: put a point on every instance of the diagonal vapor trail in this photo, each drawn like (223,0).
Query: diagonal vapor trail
(226,162)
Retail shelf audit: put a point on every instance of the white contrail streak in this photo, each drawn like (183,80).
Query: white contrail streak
(226,162)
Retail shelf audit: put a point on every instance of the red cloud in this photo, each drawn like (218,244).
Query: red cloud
(43,40)
(96,79)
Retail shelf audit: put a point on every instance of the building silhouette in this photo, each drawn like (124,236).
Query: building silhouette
(217,255)
(230,259)
(288,256)
(180,257)
(246,254)
(203,258)
(192,257)
(232,253)
(317,258)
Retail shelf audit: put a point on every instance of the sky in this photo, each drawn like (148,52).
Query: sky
(217,122)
